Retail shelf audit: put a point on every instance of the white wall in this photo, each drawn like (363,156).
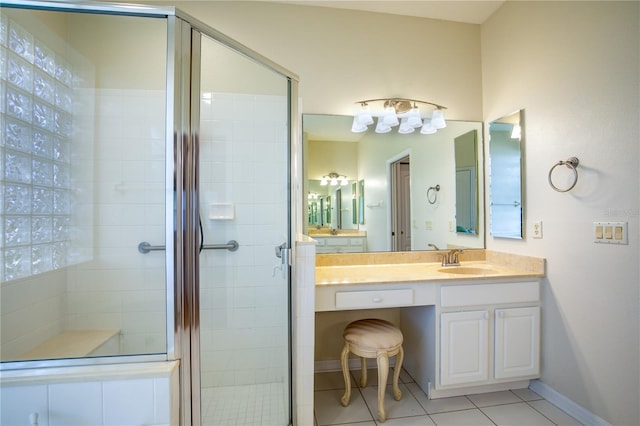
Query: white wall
(337,53)
(573,67)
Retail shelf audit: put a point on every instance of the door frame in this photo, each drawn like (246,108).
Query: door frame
(182,165)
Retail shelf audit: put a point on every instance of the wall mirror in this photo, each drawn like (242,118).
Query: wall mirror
(395,176)
(506,148)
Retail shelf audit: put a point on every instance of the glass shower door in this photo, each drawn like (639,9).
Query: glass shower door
(243,192)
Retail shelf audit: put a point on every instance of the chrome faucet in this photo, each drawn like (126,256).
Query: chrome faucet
(451,258)
(435,247)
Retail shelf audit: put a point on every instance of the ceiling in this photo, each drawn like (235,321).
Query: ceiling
(467,11)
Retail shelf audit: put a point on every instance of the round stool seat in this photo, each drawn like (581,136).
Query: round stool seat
(374,334)
(372,338)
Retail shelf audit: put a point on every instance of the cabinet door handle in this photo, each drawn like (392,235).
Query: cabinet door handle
(376,299)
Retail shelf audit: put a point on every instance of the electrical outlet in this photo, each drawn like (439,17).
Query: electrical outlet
(536,229)
(452,226)
(428,225)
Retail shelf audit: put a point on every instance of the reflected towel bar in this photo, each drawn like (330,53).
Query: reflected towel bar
(232,245)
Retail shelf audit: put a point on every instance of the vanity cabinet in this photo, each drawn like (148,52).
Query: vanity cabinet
(489,333)
(466,345)
(337,244)
(517,342)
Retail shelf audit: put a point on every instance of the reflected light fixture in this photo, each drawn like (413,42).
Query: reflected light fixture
(399,112)
(516,132)
(333,179)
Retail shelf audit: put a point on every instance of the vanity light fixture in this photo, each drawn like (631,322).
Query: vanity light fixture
(399,112)
(333,179)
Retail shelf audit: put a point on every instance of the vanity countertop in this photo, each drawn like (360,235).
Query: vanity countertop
(489,265)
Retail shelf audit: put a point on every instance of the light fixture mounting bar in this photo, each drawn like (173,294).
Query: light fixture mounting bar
(397,100)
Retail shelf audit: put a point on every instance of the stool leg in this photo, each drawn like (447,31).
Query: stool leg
(344,362)
(397,393)
(363,369)
(383,373)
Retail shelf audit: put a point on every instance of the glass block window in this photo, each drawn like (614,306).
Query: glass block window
(36,100)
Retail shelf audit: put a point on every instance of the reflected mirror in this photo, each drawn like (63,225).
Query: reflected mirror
(506,147)
(397,207)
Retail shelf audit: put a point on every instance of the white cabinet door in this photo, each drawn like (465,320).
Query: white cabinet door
(464,347)
(517,342)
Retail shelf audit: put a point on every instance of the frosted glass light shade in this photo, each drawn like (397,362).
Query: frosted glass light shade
(361,120)
(381,127)
(405,127)
(358,127)
(516,132)
(413,118)
(427,128)
(364,116)
(389,116)
(437,119)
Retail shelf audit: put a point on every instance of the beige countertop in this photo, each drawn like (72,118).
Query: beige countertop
(489,265)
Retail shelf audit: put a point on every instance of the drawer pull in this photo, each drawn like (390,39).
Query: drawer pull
(377,300)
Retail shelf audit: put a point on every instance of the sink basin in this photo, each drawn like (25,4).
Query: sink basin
(467,270)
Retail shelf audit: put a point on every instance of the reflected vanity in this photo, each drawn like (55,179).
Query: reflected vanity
(393,173)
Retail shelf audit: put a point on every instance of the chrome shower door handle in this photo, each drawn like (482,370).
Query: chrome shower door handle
(279,250)
(282,252)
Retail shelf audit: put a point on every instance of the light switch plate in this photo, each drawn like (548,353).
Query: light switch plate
(610,233)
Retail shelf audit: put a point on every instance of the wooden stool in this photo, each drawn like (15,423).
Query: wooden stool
(372,338)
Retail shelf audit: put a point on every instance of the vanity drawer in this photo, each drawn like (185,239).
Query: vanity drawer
(489,294)
(374,299)
(338,242)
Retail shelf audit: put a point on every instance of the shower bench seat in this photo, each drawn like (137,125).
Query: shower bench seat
(72,344)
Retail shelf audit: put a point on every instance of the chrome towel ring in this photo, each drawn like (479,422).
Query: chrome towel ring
(434,190)
(571,163)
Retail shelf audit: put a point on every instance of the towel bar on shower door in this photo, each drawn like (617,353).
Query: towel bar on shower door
(231,245)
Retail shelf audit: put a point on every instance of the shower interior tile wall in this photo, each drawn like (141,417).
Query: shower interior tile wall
(118,288)
(243,306)
(122,288)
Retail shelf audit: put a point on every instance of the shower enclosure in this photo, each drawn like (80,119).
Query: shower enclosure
(145,203)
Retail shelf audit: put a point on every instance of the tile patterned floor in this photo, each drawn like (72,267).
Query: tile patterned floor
(246,405)
(521,407)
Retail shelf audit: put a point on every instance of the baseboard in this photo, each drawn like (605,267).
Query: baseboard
(576,411)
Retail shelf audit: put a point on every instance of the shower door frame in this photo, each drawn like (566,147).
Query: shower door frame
(185,33)
(181,186)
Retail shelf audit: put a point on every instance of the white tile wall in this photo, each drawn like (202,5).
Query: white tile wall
(243,305)
(121,288)
(31,311)
(304,326)
(116,287)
